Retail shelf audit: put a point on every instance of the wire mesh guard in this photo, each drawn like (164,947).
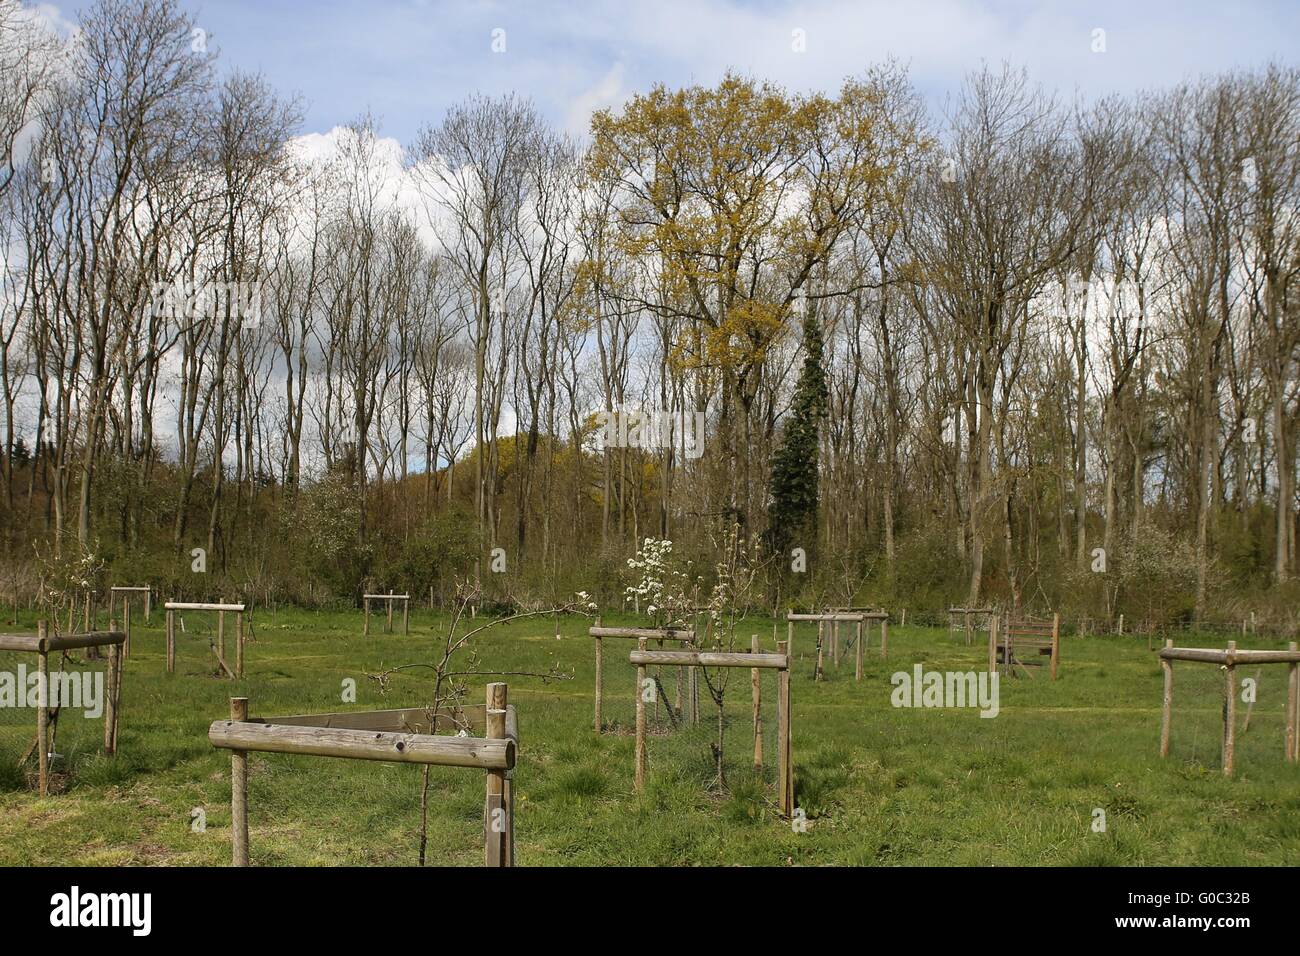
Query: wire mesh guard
(1196,717)
(78,699)
(725,741)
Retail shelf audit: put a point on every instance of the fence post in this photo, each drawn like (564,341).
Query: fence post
(1056,643)
(1229,710)
(884,638)
(857,670)
(110,680)
(43,710)
(239,791)
(171,641)
(1292,708)
(757,688)
(1167,707)
(993,642)
(600,682)
(785,770)
(239,643)
(640,721)
(496,823)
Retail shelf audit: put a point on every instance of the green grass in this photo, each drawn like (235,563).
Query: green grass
(879,785)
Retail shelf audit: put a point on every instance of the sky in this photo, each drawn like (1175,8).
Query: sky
(406,61)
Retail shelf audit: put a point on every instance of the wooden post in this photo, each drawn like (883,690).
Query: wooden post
(388,619)
(496,816)
(171,640)
(757,687)
(406,615)
(148,605)
(1229,711)
(43,710)
(221,637)
(1006,651)
(785,768)
(789,633)
(1056,643)
(969,634)
(365,626)
(1167,707)
(993,642)
(821,627)
(1292,708)
(884,638)
(239,643)
(239,791)
(110,691)
(1121,625)
(640,721)
(835,643)
(903,619)
(857,670)
(126,626)
(600,683)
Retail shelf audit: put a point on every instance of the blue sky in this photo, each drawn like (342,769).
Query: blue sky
(407,60)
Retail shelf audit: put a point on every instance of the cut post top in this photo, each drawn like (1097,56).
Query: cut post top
(37,644)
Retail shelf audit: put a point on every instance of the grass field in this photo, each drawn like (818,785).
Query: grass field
(880,785)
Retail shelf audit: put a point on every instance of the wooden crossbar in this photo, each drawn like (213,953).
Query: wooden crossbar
(323,735)
(710,659)
(1228,659)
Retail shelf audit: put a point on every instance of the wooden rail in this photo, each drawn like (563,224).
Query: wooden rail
(688,691)
(219,647)
(389,598)
(42,644)
(1228,659)
(828,632)
(756,661)
(356,736)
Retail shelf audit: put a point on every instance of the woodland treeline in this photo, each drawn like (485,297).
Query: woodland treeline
(1004,348)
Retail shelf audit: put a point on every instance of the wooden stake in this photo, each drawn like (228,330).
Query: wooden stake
(884,638)
(496,823)
(857,669)
(365,619)
(600,679)
(388,620)
(406,616)
(640,721)
(221,637)
(43,711)
(110,691)
(171,641)
(1167,707)
(239,791)
(126,626)
(993,643)
(1056,643)
(757,688)
(239,643)
(1229,712)
(1292,708)
(784,765)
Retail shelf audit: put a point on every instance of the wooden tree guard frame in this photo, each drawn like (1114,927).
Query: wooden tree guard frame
(688,688)
(780,662)
(828,631)
(219,650)
(389,598)
(1042,636)
(395,736)
(41,644)
(1228,660)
